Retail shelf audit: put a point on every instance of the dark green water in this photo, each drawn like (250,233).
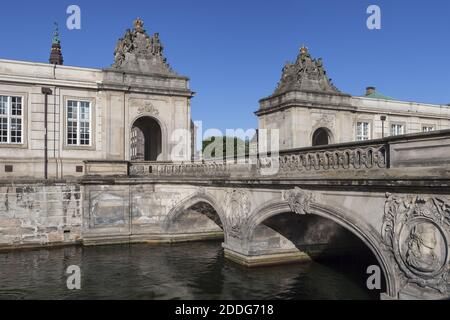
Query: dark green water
(181,271)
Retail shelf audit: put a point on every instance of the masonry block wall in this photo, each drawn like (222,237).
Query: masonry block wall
(37,214)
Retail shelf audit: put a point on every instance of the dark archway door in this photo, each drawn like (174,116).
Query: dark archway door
(146,140)
(321,137)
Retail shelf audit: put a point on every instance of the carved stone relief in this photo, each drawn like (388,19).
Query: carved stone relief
(238,209)
(139,52)
(306,74)
(326,121)
(299,200)
(416,232)
(148,108)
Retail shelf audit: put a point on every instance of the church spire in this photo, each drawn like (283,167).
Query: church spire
(56,54)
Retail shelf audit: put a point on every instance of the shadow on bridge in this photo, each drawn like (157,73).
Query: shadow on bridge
(307,238)
(196,219)
(318,239)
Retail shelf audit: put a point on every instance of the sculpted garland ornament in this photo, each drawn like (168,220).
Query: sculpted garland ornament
(416,231)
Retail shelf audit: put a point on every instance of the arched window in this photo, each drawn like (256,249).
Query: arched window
(321,137)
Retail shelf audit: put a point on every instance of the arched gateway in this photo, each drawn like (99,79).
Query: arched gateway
(146,139)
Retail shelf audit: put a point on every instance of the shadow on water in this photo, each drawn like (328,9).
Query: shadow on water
(181,271)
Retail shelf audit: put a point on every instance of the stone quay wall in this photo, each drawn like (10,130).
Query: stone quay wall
(38,214)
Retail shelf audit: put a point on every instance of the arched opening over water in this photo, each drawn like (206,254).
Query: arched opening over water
(197,216)
(321,137)
(328,244)
(146,140)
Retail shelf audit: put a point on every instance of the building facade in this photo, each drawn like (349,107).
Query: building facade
(308,110)
(137,109)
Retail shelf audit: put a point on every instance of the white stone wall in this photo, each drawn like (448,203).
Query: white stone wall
(298,122)
(114,109)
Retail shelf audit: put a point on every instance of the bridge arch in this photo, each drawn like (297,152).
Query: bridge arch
(194,200)
(363,232)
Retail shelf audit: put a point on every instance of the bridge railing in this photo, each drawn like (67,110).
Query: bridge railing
(344,158)
(179,169)
(431,150)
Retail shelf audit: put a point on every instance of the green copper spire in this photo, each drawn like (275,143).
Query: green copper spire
(56,54)
(56,35)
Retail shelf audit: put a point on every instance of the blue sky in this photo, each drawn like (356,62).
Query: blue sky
(234,51)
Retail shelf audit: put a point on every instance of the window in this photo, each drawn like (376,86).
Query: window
(134,143)
(78,123)
(362,131)
(397,129)
(427,128)
(11,119)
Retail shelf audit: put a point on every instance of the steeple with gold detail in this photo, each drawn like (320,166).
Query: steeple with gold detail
(306,74)
(56,57)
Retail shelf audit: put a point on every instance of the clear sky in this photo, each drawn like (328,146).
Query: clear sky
(234,51)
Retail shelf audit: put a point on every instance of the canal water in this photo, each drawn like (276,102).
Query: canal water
(179,271)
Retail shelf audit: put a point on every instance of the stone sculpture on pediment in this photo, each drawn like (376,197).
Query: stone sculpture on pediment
(137,52)
(306,74)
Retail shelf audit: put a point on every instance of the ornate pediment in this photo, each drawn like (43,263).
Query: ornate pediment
(141,53)
(306,74)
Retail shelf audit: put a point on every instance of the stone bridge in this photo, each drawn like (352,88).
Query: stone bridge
(388,196)
(392,195)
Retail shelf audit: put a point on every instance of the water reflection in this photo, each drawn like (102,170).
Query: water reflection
(181,271)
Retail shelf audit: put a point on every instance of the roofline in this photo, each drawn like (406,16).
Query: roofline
(392,100)
(48,65)
(327,93)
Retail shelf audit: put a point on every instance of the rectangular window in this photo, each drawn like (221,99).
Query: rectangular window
(427,128)
(362,131)
(11,113)
(397,129)
(78,123)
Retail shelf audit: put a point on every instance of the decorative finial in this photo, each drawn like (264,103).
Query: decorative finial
(304,50)
(56,39)
(139,25)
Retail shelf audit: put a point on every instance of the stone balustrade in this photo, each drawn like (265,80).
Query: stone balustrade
(179,169)
(425,150)
(370,157)
(366,157)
